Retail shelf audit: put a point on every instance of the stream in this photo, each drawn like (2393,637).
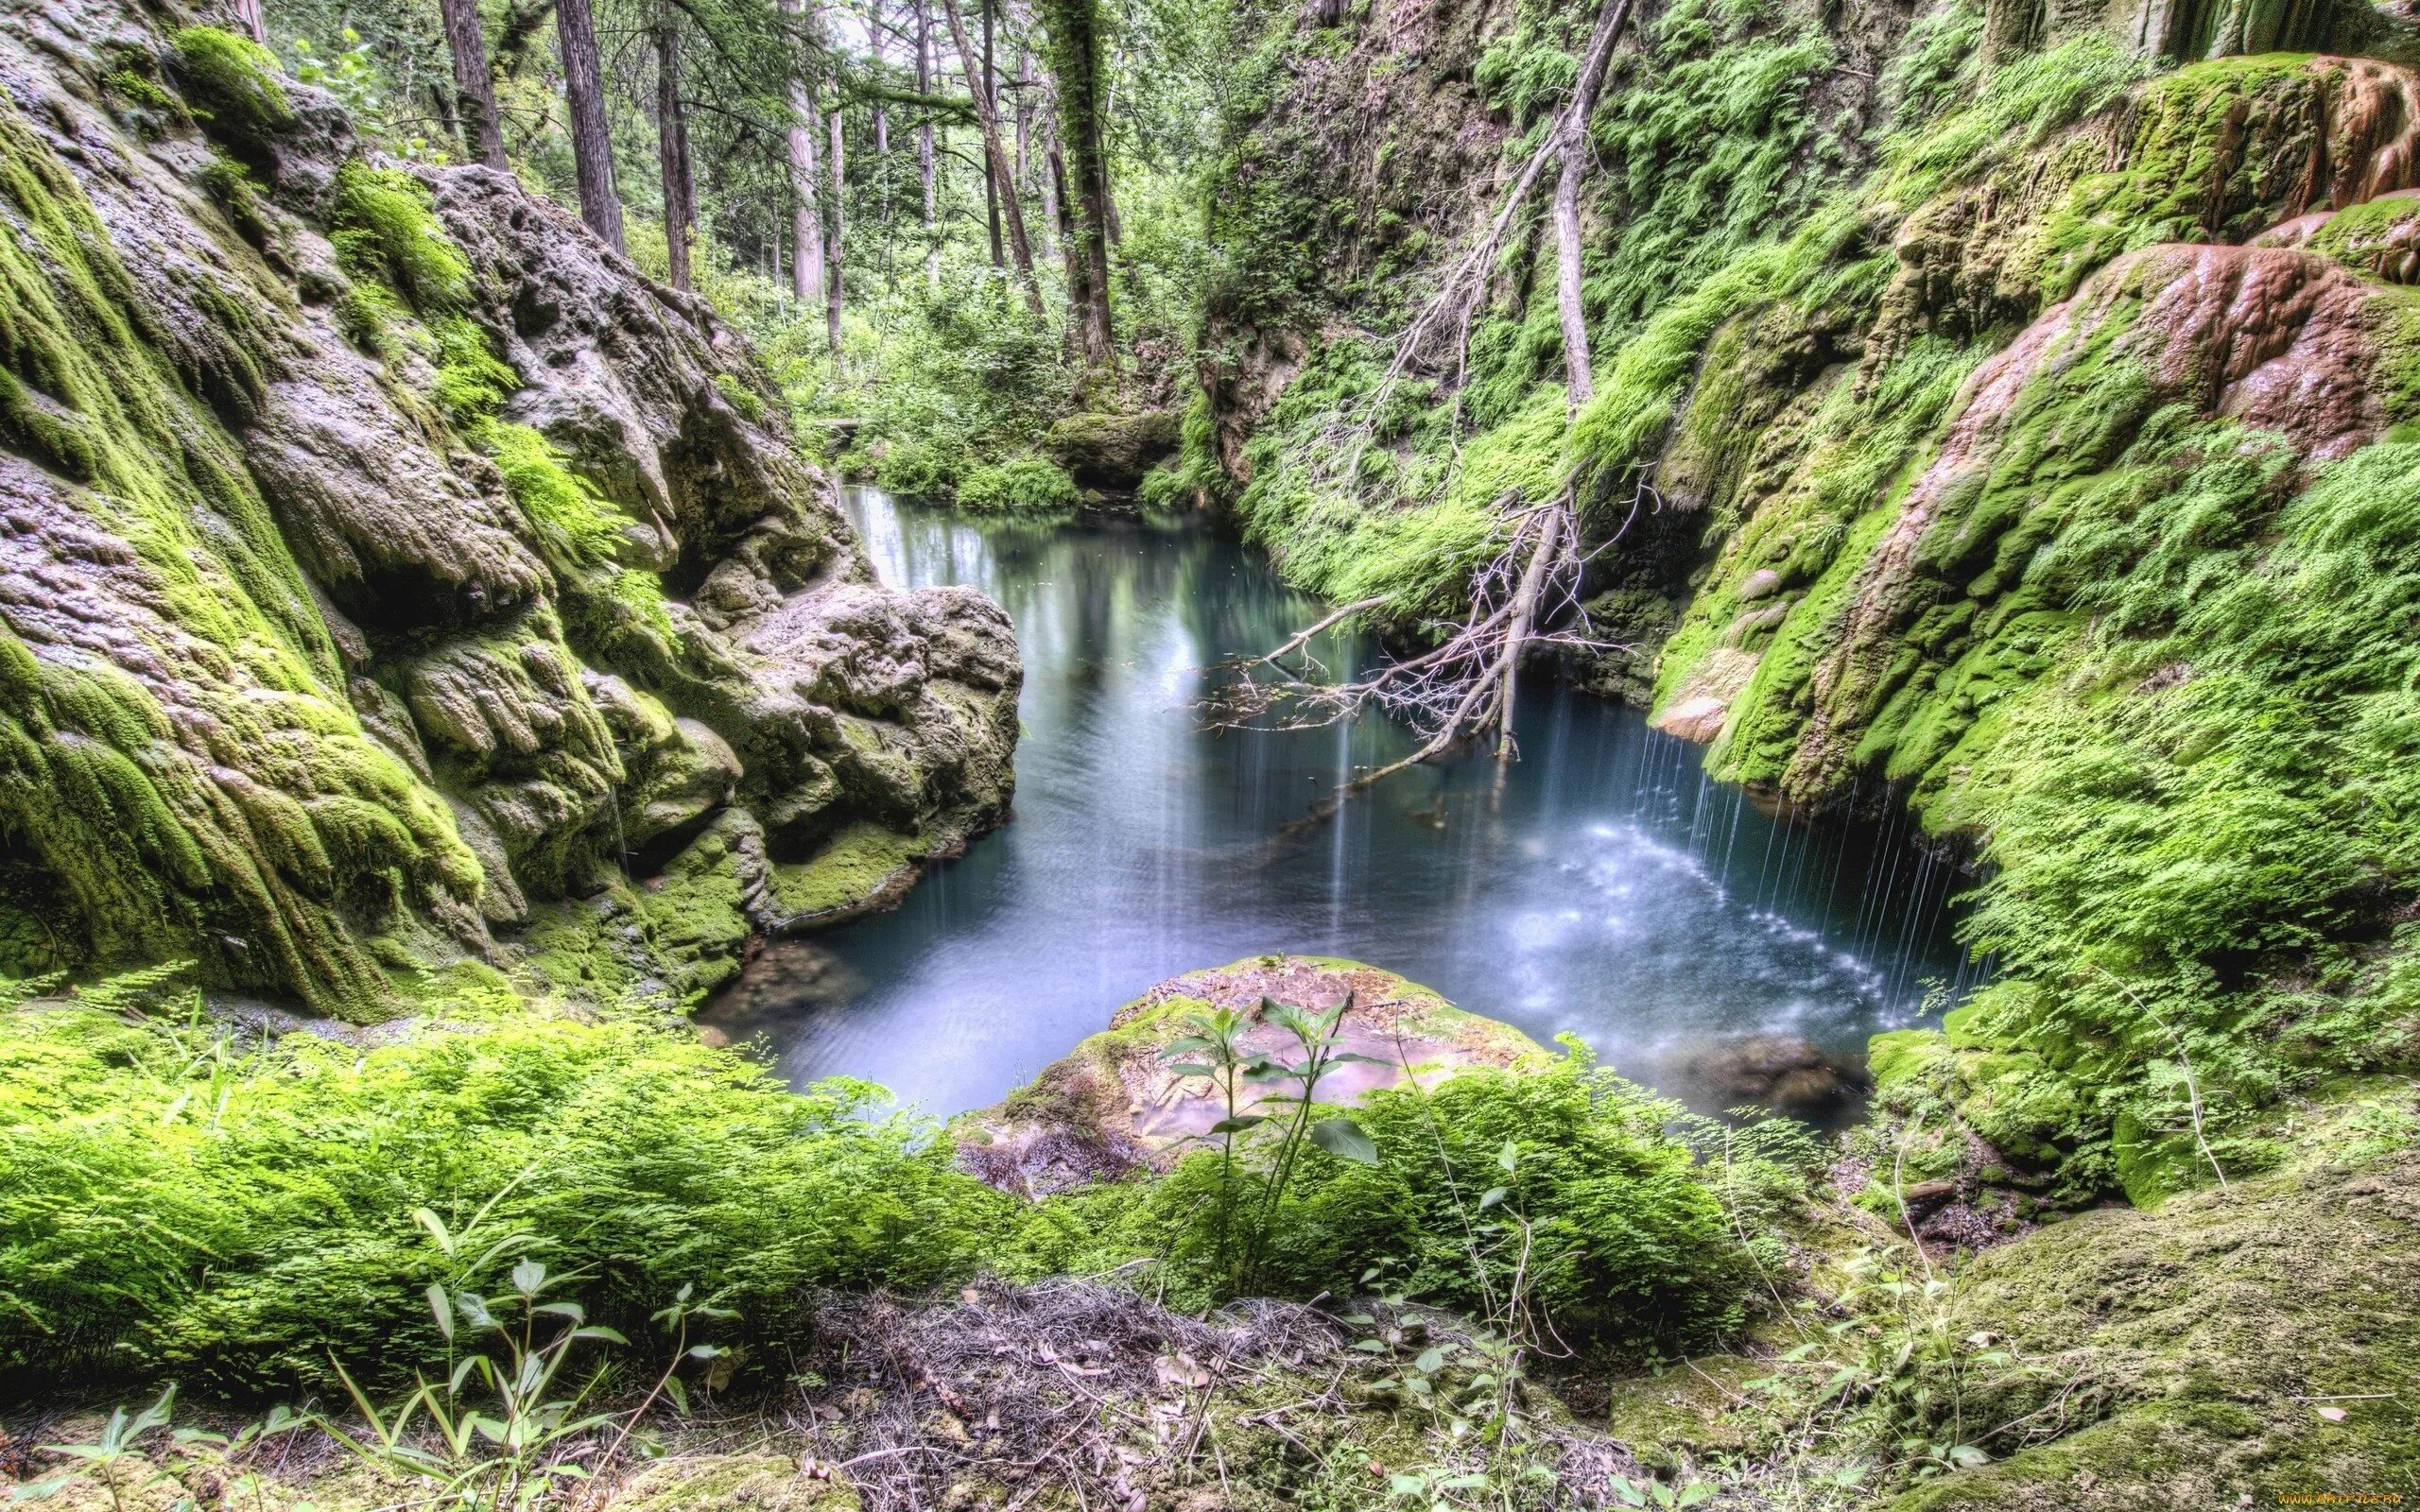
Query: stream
(1601,886)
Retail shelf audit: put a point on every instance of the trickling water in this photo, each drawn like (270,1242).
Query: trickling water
(1602,887)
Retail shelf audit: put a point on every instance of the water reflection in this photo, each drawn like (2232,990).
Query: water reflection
(1602,887)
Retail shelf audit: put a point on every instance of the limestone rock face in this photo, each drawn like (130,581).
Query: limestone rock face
(395,586)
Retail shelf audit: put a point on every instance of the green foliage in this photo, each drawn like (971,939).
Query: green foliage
(577,527)
(1629,1244)
(498,1435)
(1029,484)
(179,1200)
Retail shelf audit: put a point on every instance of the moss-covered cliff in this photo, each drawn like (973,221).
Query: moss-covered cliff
(396,587)
(2001,413)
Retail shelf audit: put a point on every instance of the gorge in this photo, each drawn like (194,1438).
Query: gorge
(1209,754)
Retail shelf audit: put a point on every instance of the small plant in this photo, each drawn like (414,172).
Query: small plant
(505,1424)
(106,1458)
(1218,1050)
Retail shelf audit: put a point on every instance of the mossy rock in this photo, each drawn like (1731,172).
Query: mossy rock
(2014,1101)
(1686,1412)
(2232,1348)
(861,870)
(1106,451)
(1111,1105)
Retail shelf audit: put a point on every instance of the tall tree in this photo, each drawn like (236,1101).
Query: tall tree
(672,146)
(807,210)
(248,15)
(926,166)
(992,174)
(474,89)
(1074,30)
(832,247)
(591,144)
(996,154)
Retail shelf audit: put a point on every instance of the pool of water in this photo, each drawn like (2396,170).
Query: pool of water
(1601,886)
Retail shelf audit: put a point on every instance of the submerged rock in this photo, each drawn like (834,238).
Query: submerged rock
(1114,1105)
(1787,1074)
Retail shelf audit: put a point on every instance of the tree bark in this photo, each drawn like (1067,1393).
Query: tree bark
(1075,57)
(592,143)
(474,88)
(1054,188)
(1516,635)
(1080,295)
(806,207)
(672,148)
(248,15)
(995,156)
(832,247)
(924,164)
(1579,379)
(1025,92)
(992,169)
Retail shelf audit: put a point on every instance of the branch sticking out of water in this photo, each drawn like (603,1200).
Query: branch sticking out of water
(1458,689)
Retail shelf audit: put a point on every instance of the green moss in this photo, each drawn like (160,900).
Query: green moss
(2191,1350)
(740,397)
(577,527)
(384,229)
(232,84)
(672,938)
(857,866)
(122,811)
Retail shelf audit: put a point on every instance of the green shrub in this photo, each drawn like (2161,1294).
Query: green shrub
(1025,484)
(918,470)
(173,1200)
(1631,1244)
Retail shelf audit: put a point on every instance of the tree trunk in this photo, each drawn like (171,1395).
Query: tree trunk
(925,166)
(248,15)
(832,247)
(1578,379)
(591,144)
(996,156)
(992,169)
(806,207)
(474,88)
(1025,92)
(1525,608)
(672,147)
(1054,188)
(1075,56)
(1080,295)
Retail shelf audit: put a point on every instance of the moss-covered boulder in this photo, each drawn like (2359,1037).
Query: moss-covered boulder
(1114,1105)
(1111,451)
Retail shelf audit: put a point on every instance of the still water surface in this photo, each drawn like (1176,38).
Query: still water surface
(1602,887)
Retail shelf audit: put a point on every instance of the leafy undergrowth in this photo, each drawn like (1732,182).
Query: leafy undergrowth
(190,1200)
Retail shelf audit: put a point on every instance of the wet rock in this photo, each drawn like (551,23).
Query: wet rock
(1783,1073)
